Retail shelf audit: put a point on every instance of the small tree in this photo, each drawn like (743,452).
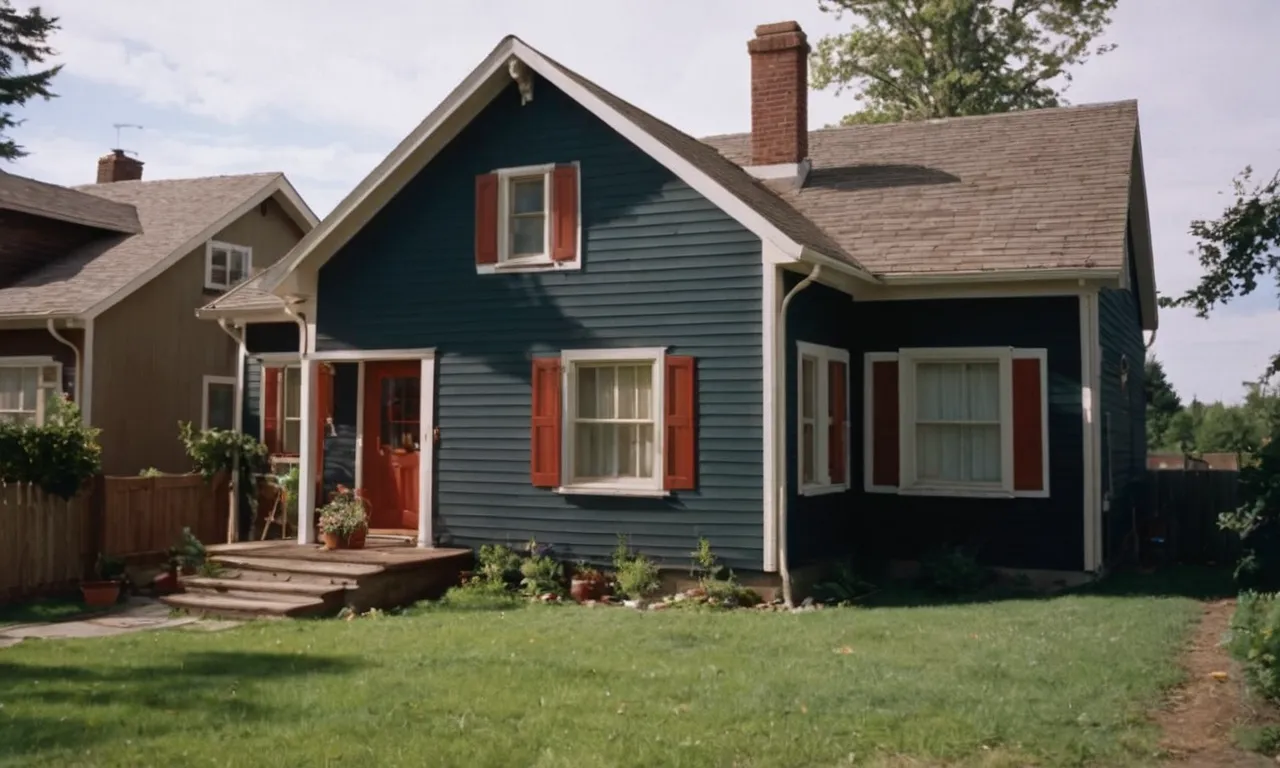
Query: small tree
(921,59)
(1163,402)
(23,38)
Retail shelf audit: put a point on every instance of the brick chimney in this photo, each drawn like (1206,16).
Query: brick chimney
(117,166)
(779,94)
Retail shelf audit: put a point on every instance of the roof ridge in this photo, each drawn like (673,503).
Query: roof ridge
(144,182)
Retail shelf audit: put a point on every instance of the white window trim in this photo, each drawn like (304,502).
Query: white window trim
(230,248)
(651,488)
(822,471)
(543,263)
(204,396)
(40,363)
(907,359)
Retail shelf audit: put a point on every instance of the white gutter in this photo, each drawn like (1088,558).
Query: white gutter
(780,430)
(79,368)
(237,424)
(999,276)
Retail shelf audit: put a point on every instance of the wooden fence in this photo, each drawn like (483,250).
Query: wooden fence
(1183,509)
(48,544)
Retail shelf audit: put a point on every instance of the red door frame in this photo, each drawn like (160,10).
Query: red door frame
(390,475)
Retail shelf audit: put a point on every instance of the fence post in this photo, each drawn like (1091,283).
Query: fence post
(95,505)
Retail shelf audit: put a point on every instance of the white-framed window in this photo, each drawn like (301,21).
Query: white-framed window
(524,215)
(226,265)
(218,402)
(956,408)
(822,418)
(280,406)
(291,410)
(613,415)
(27,385)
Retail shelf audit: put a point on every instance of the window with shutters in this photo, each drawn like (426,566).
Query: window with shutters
(961,421)
(27,385)
(225,265)
(527,219)
(822,435)
(612,424)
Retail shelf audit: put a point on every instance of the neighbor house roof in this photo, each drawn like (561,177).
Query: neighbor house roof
(50,201)
(1042,189)
(176,216)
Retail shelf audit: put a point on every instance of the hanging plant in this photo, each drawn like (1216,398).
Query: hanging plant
(213,451)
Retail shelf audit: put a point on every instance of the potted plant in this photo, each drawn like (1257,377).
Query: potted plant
(587,583)
(106,590)
(344,521)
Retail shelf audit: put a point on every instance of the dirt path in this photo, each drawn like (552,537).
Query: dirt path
(1200,715)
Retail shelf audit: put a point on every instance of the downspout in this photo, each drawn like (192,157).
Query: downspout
(1153,338)
(306,488)
(79,369)
(780,428)
(237,424)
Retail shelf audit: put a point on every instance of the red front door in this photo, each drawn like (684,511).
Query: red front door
(392,435)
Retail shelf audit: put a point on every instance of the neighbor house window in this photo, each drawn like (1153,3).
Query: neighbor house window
(822,437)
(957,421)
(26,388)
(528,218)
(218,402)
(226,265)
(281,409)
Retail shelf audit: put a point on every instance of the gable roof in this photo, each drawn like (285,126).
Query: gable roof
(50,201)
(1044,189)
(176,216)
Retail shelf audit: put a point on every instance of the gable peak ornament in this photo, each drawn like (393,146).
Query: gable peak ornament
(523,77)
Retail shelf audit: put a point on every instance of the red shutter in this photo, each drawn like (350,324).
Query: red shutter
(564,213)
(271,408)
(884,423)
(487,218)
(838,413)
(681,396)
(544,453)
(1028,425)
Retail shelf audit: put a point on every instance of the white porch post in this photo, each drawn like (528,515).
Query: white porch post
(307,454)
(426,450)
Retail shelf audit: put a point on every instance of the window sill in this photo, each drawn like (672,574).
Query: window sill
(528,265)
(956,491)
(612,490)
(822,490)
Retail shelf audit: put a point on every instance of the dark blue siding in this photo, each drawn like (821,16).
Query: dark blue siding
(1124,415)
(663,267)
(1022,532)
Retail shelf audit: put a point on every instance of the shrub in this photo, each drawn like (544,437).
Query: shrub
(635,575)
(542,574)
(188,552)
(150,472)
(499,563)
(1257,520)
(215,450)
(57,457)
(840,584)
(1255,640)
(953,572)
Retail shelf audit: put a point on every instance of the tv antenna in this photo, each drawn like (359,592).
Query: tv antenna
(119,126)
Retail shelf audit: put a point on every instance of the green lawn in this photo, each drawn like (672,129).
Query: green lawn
(1064,681)
(40,611)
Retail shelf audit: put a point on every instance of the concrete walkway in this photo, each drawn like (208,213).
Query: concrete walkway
(139,614)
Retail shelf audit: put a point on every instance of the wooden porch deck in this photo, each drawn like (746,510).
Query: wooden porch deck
(284,578)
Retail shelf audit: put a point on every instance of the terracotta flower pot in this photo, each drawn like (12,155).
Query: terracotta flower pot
(99,594)
(583,590)
(331,540)
(355,539)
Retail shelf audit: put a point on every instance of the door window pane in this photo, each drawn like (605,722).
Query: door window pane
(400,412)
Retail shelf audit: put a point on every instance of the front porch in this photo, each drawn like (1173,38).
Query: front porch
(285,578)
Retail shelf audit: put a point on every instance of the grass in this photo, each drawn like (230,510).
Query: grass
(1050,682)
(42,611)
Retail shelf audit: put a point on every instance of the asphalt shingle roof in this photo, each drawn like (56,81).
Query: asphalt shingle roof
(171,212)
(18,193)
(1041,189)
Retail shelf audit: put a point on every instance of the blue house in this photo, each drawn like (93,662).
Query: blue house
(548,314)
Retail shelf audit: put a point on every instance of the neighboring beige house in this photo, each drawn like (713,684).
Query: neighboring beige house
(98,287)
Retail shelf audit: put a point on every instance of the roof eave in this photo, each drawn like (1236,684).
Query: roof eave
(1089,274)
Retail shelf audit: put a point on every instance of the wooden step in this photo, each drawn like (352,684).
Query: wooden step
(206,604)
(284,577)
(257,589)
(309,567)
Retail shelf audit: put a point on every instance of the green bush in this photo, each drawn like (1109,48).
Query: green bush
(953,572)
(215,450)
(57,457)
(1257,520)
(499,563)
(1255,641)
(635,575)
(480,594)
(542,574)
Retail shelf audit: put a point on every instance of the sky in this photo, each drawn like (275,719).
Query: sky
(322,90)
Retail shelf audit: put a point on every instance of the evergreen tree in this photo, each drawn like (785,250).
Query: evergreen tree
(1163,402)
(24,39)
